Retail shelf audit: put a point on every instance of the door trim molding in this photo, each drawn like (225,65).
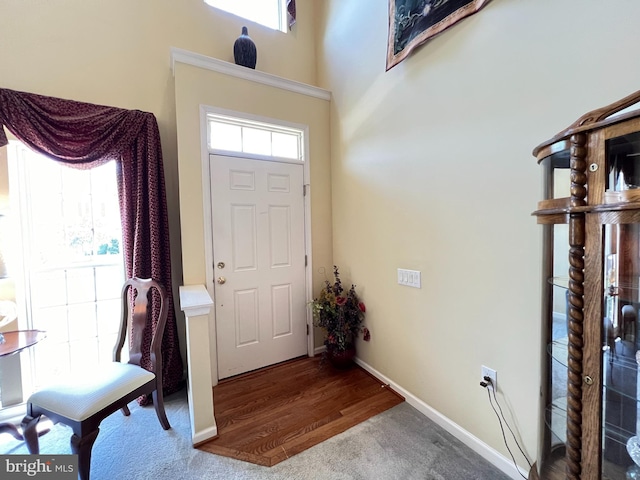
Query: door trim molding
(208,227)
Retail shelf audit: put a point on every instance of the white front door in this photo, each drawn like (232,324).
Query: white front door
(259,262)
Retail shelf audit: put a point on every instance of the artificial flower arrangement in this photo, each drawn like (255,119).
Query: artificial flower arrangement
(340,314)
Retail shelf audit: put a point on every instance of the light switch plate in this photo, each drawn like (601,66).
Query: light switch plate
(409,278)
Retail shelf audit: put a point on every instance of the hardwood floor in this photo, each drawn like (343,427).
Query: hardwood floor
(267,416)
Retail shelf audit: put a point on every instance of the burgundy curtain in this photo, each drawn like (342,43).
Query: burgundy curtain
(291,13)
(84,135)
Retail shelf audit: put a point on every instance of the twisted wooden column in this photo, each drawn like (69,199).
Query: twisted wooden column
(576,306)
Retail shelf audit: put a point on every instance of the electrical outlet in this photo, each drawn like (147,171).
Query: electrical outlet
(492,374)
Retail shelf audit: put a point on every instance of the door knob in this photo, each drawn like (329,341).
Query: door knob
(221,280)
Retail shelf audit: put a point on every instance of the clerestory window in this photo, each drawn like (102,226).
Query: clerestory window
(270,13)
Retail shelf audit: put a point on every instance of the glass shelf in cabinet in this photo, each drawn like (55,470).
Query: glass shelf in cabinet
(559,350)
(616,433)
(556,420)
(627,369)
(562,282)
(625,289)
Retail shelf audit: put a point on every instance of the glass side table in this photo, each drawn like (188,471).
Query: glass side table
(14,342)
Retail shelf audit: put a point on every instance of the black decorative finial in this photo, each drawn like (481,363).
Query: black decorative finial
(244,50)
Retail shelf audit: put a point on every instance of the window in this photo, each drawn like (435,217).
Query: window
(254,139)
(72,267)
(270,13)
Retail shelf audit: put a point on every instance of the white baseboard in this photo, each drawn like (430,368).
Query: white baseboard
(493,456)
(203,435)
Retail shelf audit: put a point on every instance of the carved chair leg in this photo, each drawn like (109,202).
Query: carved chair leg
(158,404)
(82,447)
(11,429)
(125,411)
(30,433)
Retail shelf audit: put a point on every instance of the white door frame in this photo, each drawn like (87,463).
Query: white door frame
(208,232)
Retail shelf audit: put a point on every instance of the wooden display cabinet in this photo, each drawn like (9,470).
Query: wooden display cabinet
(590,426)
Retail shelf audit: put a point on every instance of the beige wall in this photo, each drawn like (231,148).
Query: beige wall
(431,163)
(432,170)
(116,53)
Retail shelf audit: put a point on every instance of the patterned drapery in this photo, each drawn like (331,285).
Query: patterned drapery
(291,12)
(84,135)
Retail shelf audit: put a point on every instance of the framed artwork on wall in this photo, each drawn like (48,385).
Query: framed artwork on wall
(413,22)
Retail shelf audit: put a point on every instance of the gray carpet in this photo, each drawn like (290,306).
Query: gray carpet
(400,443)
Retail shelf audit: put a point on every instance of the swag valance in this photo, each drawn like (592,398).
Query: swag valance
(83,135)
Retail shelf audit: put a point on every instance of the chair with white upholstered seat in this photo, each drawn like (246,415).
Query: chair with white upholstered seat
(83,402)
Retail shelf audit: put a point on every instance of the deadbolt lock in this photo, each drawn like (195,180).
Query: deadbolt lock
(220,265)
(588,380)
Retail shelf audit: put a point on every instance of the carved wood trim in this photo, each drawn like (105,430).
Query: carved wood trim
(554,203)
(600,114)
(576,306)
(595,119)
(546,149)
(552,219)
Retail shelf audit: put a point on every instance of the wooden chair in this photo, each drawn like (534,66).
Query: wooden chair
(83,402)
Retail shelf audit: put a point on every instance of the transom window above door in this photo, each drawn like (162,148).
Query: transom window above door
(229,135)
(270,13)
